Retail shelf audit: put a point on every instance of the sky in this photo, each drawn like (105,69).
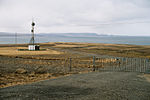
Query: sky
(112,17)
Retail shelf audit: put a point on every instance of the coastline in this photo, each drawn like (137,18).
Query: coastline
(45,38)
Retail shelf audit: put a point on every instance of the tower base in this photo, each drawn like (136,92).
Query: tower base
(33,47)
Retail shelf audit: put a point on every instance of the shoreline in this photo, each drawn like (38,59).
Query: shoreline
(74,42)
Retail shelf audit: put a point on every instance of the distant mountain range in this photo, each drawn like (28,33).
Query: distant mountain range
(3,34)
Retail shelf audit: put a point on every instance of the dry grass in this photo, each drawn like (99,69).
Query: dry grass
(13,79)
(121,50)
(147,76)
(63,45)
(13,51)
(36,68)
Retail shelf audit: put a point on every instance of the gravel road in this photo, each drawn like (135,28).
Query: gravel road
(89,86)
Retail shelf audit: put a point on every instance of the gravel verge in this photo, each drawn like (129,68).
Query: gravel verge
(89,86)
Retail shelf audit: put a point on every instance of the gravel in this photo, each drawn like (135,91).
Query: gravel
(89,86)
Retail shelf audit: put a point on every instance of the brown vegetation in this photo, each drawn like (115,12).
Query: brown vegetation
(121,50)
(21,67)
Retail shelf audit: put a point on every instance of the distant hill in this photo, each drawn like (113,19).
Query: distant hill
(4,34)
(69,34)
(81,34)
(52,34)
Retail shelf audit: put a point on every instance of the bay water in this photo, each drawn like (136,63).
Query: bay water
(135,40)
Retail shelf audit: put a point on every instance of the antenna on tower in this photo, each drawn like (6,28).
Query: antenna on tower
(32,41)
(32,45)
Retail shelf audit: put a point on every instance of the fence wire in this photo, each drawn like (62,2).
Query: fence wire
(76,65)
(123,64)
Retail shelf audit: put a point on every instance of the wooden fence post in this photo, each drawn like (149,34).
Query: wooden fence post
(70,62)
(94,63)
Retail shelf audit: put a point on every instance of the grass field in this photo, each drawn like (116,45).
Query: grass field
(21,67)
(96,48)
(120,50)
(13,51)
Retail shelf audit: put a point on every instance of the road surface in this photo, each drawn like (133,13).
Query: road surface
(88,86)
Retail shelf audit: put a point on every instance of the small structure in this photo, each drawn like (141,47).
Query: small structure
(32,46)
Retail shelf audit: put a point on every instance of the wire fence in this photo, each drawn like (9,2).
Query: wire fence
(122,64)
(21,70)
(76,65)
(111,64)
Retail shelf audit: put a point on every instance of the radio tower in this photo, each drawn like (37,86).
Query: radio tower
(32,46)
(32,41)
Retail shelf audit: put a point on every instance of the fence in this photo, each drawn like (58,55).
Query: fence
(28,69)
(112,64)
(122,64)
(75,65)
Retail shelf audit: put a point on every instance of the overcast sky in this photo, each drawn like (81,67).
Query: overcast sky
(117,17)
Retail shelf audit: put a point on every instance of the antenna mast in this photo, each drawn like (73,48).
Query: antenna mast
(32,45)
(32,41)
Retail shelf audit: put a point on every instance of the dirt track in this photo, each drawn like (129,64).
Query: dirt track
(90,86)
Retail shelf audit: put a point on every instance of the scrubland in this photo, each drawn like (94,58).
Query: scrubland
(21,67)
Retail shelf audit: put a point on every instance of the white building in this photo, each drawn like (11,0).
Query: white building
(33,47)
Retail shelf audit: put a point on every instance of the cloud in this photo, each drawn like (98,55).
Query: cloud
(101,16)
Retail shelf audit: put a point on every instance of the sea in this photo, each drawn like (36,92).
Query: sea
(133,40)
